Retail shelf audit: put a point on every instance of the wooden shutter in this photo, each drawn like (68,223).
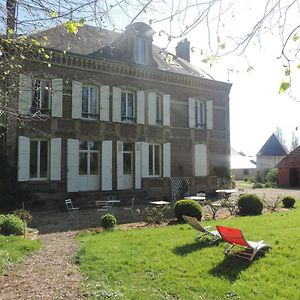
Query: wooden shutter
(106,166)
(73,166)
(209,114)
(116,116)
(25,94)
(140,105)
(145,159)
(104,103)
(138,165)
(120,180)
(167,160)
(192,113)
(152,108)
(23,158)
(200,160)
(55,159)
(76,100)
(57,98)
(166,110)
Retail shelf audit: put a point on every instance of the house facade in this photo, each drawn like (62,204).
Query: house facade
(271,153)
(115,114)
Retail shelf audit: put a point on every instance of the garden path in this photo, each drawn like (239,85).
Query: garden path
(49,273)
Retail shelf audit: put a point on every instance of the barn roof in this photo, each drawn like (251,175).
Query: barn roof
(272,147)
(292,160)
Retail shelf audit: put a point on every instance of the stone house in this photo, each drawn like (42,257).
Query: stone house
(270,154)
(117,115)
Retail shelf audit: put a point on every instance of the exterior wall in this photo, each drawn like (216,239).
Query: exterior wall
(264,163)
(242,174)
(181,137)
(283,177)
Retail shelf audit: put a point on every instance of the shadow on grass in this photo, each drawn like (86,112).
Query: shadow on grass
(196,246)
(230,268)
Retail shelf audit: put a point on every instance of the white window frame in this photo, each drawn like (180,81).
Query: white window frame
(88,151)
(89,115)
(126,118)
(200,120)
(38,177)
(158,109)
(153,160)
(39,109)
(140,53)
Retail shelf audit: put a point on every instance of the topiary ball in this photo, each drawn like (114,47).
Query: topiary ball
(288,201)
(250,205)
(108,221)
(11,225)
(188,207)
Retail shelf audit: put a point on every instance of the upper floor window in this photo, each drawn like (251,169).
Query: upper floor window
(140,50)
(127,106)
(200,114)
(38,159)
(90,102)
(159,120)
(154,160)
(41,97)
(89,158)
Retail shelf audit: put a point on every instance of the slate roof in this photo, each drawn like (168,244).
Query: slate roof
(272,147)
(91,40)
(239,161)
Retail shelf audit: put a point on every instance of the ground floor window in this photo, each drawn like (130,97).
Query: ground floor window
(39,159)
(154,160)
(89,158)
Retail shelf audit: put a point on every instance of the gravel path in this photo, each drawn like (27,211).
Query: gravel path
(47,274)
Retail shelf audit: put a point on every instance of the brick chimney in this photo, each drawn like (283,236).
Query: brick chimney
(183,50)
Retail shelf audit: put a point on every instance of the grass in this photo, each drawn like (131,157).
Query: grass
(166,263)
(14,248)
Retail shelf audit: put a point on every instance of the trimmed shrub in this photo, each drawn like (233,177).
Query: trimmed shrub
(188,208)
(288,201)
(257,185)
(108,221)
(24,215)
(11,225)
(250,205)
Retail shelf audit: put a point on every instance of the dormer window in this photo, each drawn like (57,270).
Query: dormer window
(140,51)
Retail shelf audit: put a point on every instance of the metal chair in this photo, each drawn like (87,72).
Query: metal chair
(101,206)
(71,209)
(131,208)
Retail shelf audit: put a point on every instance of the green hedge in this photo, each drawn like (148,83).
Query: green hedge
(288,201)
(108,221)
(250,204)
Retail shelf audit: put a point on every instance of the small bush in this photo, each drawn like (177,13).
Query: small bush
(108,221)
(257,185)
(288,201)
(155,215)
(250,205)
(24,215)
(271,176)
(188,208)
(12,225)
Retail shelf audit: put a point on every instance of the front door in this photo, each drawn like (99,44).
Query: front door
(127,166)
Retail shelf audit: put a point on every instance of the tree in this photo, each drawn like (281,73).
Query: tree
(294,142)
(279,135)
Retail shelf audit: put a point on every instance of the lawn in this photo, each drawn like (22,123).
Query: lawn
(14,248)
(167,263)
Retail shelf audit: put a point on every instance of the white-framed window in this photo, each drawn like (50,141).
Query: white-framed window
(88,158)
(41,96)
(199,114)
(128,106)
(154,160)
(90,100)
(140,51)
(158,113)
(39,160)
